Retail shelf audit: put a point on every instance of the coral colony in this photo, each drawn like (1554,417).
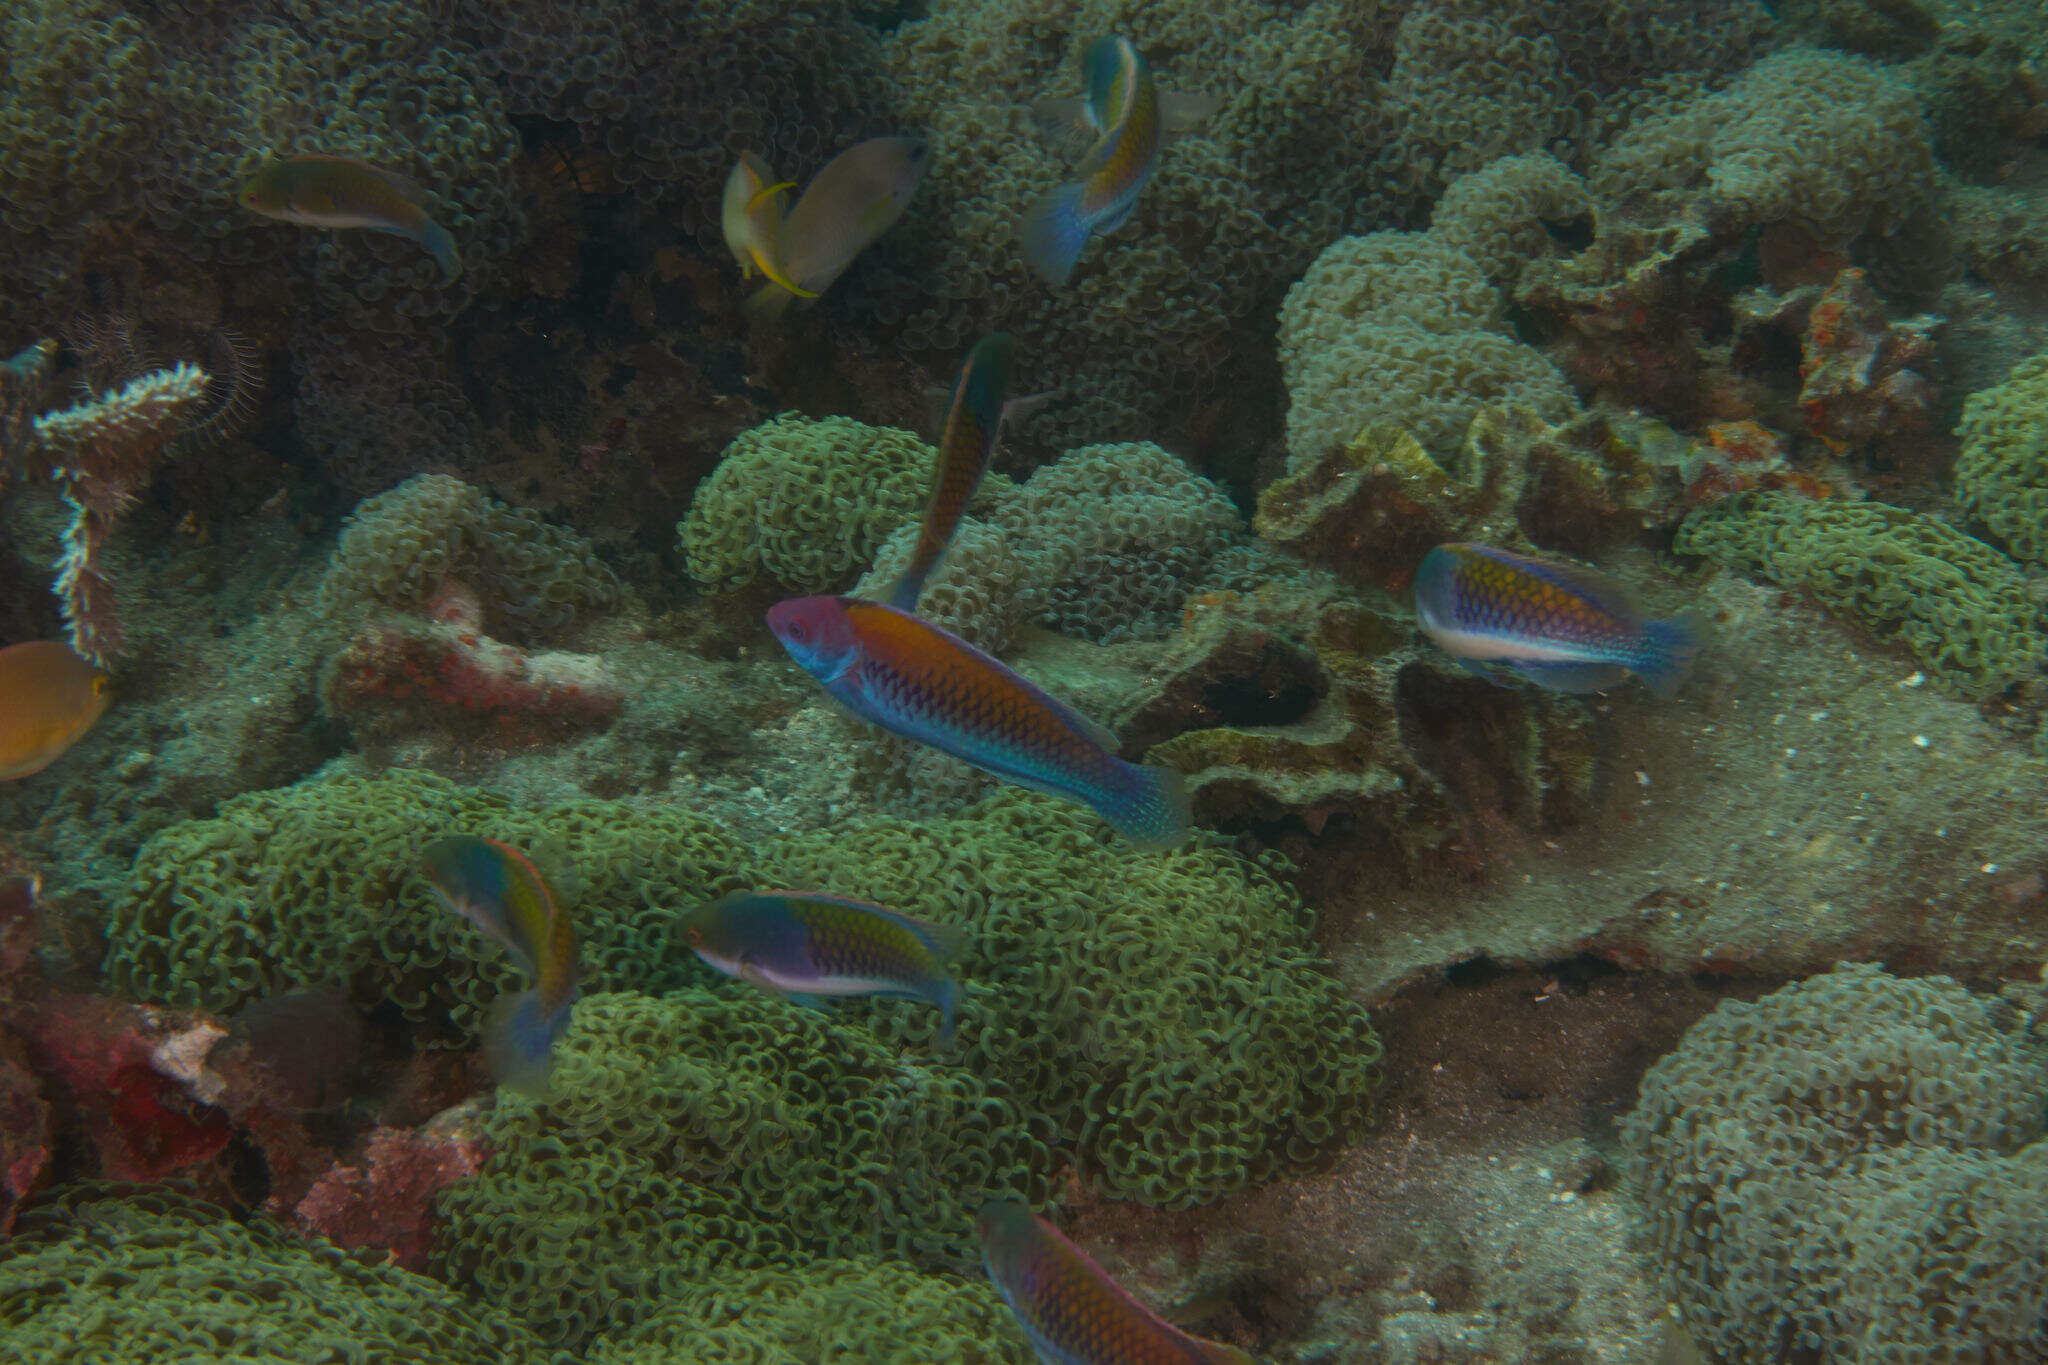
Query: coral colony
(1023,680)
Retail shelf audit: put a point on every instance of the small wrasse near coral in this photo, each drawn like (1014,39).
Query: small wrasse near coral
(497,888)
(804,945)
(751,214)
(913,679)
(1132,118)
(1070,1308)
(49,697)
(341,192)
(856,198)
(1556,624)
(965,447)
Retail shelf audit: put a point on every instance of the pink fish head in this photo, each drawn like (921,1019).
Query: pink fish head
(817,634)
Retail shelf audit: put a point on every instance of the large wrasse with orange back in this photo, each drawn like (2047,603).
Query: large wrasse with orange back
(966,445)
(49,698)
(900,672)
(341,192)
(1133,119)
(1553,623)
(1069,1307)
(498,889)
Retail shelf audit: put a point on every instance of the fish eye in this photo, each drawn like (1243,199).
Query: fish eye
(796,630)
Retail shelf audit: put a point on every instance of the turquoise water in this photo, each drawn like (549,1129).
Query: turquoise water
(753,682)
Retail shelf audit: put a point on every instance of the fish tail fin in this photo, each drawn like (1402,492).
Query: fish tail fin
(1054,230)
(1149,807)
(946,995)
(440,244)
(908,589)
(768,303)
(519,1040)
(1669,647)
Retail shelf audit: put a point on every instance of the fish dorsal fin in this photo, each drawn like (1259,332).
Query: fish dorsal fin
(943,941)
(1598,589)
(408,188)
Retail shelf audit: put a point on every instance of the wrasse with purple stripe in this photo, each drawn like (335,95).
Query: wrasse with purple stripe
(1070,1308)
(1550,622)
(965,447)
(906,675)
(806,946)
(497,888)
(1133,119)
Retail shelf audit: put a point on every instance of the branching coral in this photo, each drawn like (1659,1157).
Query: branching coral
(100,453)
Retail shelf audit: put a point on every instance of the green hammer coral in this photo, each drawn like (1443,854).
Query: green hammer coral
(134,1275)
(1960,606)
(854,1312)
(723,1132)
(319,885)
(804,502)
(1162,1010)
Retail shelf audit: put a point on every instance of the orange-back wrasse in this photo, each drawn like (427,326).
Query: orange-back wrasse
(498,889)
(1069,1307)
(856,198)
(903,673)
(341,192)
(807,946)
(1553,623)
(1132,118)
(49,697)
(966,445)
(751,214)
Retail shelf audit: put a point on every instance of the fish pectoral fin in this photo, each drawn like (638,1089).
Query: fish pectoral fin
(1179,114)
(1030,405)
(755,977)
(1570,677)
(768,192)
(1069,124)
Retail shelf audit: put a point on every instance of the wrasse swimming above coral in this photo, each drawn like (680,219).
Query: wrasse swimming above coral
(1132,118)
(804,946)
(965,447)
(49,697)
(906,675)
(1556,624)
(497,888)
(1070,1308)
(856,198)
(751,214)
(341,192)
